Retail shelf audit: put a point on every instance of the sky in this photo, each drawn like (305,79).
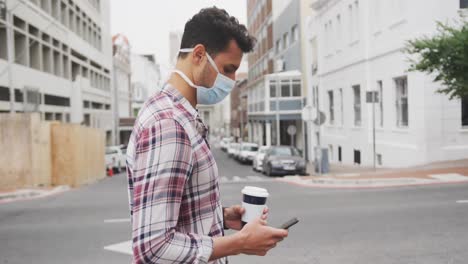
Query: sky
(147,23)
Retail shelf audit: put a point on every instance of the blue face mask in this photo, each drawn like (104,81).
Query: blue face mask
(222,86)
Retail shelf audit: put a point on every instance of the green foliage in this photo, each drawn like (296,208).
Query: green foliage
(445,55)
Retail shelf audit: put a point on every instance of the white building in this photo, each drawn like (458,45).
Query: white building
(146,80)
(60,53)
(121,89)
(357,46)
(175,39)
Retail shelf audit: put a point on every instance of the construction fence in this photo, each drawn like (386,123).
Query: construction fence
(34,153)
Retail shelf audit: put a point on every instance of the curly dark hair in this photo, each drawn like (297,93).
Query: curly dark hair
(214,28)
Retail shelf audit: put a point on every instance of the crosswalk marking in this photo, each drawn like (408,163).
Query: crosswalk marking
(123,248)
(248,178)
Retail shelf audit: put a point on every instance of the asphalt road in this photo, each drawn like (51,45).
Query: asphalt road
(397,225)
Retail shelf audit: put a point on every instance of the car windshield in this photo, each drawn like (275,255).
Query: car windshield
(250,148)
(284,151)
(263,150)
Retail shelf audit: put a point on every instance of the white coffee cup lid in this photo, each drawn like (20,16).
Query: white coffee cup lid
(255,191)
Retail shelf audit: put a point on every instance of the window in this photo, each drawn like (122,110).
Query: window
(463,3)
(278,46)
(341,107)
(285,89)
(350,23)
(315,96)
(285,40)
(296,89)
(464,105)
(338,32)
(357,157)
(401,85)
(331,106)
(340,159)
(380,97)
(356,21)
(330,147)
(357,105)
(294,34)
(272,89)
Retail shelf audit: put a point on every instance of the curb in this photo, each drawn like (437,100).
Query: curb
(374,185)
(31,194)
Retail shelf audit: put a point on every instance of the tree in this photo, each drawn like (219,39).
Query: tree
(445,55)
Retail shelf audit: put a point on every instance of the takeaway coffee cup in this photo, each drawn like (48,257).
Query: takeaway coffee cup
(254,201)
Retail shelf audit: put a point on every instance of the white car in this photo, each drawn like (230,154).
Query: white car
(225,143)
(247,152)
(116,158)
(258,160)
(233,149)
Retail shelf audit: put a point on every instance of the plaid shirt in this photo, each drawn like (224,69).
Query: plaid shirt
(172,183)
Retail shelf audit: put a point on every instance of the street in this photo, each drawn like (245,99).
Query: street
(388,225)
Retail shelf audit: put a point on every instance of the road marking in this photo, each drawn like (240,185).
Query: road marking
(255,178)
(449,177)
(236,179)
(121,220)
(462,201)
(123,248)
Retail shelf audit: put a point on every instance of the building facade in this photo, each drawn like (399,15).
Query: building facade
(56,59)
(357,46)
(146,80)
(121,89)
(276,94)
(239,110)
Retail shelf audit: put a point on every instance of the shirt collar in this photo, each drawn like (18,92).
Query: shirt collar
(178,97)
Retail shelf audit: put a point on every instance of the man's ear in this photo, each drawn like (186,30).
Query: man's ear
(198,54)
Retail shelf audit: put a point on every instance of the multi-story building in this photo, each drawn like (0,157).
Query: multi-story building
(357,46)
(56,59)
(175,38)
(275,85)
(146,80)
(239,109)
(121,90)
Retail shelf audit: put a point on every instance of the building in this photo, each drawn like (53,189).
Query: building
(276,94)
(239,109)
(56,59)
(175,39)
(121,90)
(356,47)
(146,80)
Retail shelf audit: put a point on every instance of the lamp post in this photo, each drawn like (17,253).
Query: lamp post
(241,126)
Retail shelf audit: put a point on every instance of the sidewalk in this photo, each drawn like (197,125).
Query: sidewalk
(27,194)
(342,176)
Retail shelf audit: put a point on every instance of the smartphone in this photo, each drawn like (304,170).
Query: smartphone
(289,223)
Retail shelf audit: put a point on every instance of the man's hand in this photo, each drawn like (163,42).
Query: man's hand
(257,238)
(233,216)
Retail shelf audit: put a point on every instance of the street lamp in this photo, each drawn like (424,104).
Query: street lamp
(241,127)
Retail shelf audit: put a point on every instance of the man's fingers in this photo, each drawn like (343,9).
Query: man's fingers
(278,233)
(264,217)
(266,210)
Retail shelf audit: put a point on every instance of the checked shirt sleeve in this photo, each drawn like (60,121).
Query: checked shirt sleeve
(162,165)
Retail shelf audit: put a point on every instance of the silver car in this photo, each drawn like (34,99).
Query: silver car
(284,160)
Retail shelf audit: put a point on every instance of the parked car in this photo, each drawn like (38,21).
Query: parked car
(283,160)
(247,152)
(233,149)
(225,143)
(257,163)
(116,157)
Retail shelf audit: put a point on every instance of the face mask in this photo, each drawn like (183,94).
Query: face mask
(221,87)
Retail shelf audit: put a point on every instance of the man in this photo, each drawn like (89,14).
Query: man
(173,178)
